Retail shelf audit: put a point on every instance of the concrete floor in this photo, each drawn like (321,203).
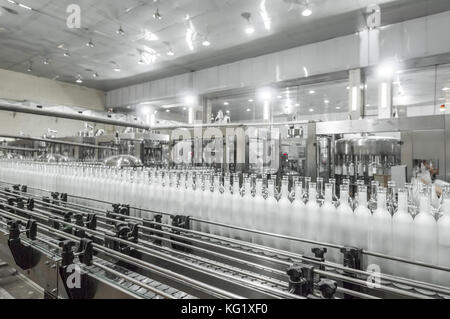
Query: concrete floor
(13,285)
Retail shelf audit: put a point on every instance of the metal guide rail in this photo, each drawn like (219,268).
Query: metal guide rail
(192,264)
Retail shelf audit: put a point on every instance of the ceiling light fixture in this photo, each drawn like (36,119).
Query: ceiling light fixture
(251,100)
(170,52)
(157,15)
(249,110)
(306,12)
(90,44)
(79,79)
(312,92)
(46,61)
(249,29)
(445,89)
(338,107)
(95,75)
(311,110)
(206,42)
(226,103)
(66,54)
(120,31)
(327,101)
(30,67)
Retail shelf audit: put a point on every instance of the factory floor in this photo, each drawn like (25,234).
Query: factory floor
(13,285)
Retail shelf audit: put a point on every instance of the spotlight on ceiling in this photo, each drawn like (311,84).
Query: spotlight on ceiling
(95,75)
(249,29)
(206,42)
(79,79)
(46,61)
(312,92)
(90,44)
(249,110)
(170,52)
(157,15)
(306,12)
(226,103)
(30,67)
(117,68)
(120,31)
(66,54)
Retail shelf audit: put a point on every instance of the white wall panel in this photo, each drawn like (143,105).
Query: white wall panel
(410,39)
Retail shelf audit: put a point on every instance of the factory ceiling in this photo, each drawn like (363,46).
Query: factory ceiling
(124,42)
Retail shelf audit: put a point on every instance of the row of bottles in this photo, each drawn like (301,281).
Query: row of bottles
(382,224)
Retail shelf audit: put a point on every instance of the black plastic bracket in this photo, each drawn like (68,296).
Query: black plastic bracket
(301,279)
(181,222)
(352,259)
(24,189)
(328,288)
(86,251)
(30,204)
(23,255)
(85,290)
(31,229)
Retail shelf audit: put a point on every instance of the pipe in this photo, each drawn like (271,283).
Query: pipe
(54,141)
(97,119)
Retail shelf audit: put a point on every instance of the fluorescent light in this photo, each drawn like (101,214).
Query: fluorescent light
(79,79)
(206,43)
(354,98)
(249,110)
(311,110)
(265,15)
(266,110)
(117,69)
(384,95)
(338,107)
(226,103)
(95,75)
(326,101)
(24,6)
(445,89)
(312,92)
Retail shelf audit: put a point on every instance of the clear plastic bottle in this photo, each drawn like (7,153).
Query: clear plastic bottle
(236,204)
(329,220)
(284,215)
(271,209)
(403,232)
(245,218)
(381,233)
(363,217)
(345,226)
(311,218)
(298,219)
(259,212)
(444,239)
(425,238)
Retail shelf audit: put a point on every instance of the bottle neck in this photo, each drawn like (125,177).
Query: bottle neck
(271,190)
(381,201)
(402,202)
(424,204)
(298,192)
(284,190)
(312,194)
(362,198)
(344,197)
(329,194)
(259,188)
